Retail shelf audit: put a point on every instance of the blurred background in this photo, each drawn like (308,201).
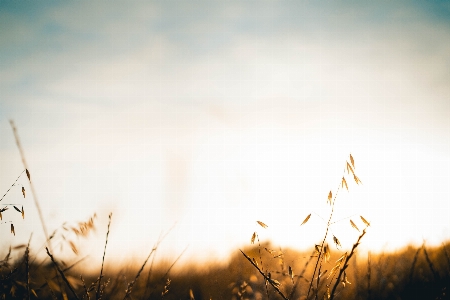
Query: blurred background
(206,116)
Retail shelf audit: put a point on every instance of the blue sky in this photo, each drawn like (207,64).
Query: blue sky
(209,113)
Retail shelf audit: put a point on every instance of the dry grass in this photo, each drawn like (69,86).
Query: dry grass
(389,278)
(319,286)
(260,271)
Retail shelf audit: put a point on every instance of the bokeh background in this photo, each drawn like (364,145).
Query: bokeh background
(207,116)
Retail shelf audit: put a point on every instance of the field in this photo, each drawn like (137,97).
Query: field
(412,273)
(260,270)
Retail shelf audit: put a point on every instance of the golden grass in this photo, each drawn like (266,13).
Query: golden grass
(316,287)
(322,272)
(378,276)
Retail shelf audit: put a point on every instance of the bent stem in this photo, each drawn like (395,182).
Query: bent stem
(347,259)
(62,274)
(268,279)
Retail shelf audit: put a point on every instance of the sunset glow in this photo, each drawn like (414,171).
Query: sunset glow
(207,118)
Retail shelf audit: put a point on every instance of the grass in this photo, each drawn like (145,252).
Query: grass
(318,286)
(258,271)
(239,279)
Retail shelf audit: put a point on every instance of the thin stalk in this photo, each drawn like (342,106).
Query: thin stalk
(12,185)
(62,274)
(155,248)
(347,259)
(27,267)
(131,284)
(265,277)
(85,288)
(430,264)
(411,272)
(369,293)
(291,295)
(33,191)
(36,202)
(321,247)
(262,266)
(173,264)
(97,294)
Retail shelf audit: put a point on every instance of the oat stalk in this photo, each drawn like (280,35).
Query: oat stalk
(12,185)
(33,192)
(36,202)
(321,247)
(347,259)
(255,235)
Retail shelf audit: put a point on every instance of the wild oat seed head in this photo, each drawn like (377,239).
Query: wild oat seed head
(253,238)
(344,182)
(306,219)
(349,169)
(354,225)
(336,241)
(365,221)
(262,224)
(352,160)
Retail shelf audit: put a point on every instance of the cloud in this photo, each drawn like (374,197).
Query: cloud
(100,55)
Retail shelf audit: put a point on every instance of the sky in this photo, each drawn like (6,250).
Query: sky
(207,116)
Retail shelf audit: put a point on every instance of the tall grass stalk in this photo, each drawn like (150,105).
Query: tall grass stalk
(319,262)
(63,276)
(27,267)
(97,294)
(430,264)
(413,265)
(33,191)
(268,279)
(341,279)
(132,283)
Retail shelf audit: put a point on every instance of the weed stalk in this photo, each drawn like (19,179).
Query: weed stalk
(97,294)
